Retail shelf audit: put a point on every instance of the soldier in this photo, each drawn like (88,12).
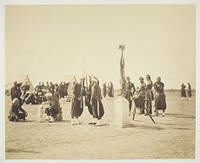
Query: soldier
(25,88)
(38,88)
(142,91)
(149,94)
(77,103)
(104,90)
(16,112)
(62,90)
(52,87)
(16,92)
(54,112)
(183,92)
(47,87)
(129,91)
(160,102)
(88,98)
(189,91)
(97,106)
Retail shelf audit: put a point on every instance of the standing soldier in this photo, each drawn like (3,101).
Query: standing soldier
(25,88)
(104,90)
(16,93)
(77,103)
(183,92)
(149,94)
(88,97)
(38,88)
(160,102)
(129,91)
(97,106)
(142,91)
(189,91)
(47,87)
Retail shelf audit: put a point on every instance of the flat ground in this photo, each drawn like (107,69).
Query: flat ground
(173,136)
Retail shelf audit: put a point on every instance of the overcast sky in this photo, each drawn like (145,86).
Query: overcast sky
(49,42)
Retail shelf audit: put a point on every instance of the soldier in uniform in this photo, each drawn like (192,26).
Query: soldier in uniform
(149,94)
(47,87)
(77,103)
(160,102)
(25,88)
(38,88)
(88,97)
(189,91)
(16,92)
(16,112)
(129,91)
(183,91)
(104,90)
(142,92)
(54,111)
(97,106)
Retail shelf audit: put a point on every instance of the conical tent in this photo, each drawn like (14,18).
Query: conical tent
(70,79)
(23,79)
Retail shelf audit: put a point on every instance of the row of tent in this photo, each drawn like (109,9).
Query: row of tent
(25,78)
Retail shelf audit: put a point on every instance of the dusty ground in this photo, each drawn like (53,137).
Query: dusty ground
(173,136)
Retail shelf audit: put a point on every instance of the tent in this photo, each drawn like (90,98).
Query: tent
(23,79)
(70,79)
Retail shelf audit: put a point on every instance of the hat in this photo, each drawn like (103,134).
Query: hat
(141,78)
(159,78)
(148,75)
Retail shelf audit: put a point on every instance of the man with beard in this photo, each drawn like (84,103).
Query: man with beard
(77,103)
(129,91)
(160,102)
(97,106)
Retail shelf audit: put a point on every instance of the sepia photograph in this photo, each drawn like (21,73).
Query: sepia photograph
(100,81)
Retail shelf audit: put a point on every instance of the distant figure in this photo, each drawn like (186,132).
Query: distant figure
(16,92)
(104,90)
(16,111)
(183,91)
(25,88)
(189,91)
(160,101)
(77,104)
(47,87)
(97,106)
(149,94)
(129,91)
(110,90)
(62,91)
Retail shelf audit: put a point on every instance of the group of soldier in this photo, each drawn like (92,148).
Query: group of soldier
(51,94)
(89,95)
(183,91)
(145,94)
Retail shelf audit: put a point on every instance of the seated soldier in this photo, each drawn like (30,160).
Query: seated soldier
(16,111)
(54,111)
